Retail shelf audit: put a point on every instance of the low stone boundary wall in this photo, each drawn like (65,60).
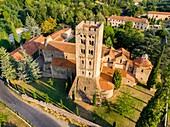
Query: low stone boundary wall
(60,111)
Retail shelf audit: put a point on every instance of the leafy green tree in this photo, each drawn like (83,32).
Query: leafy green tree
(8,70)
(26,35)
(4,40)
(46,98)
(108,42)
(117,78)
(162,33)
(108,32)
(48,25)
(34,94)
(128,25)
(77,111)
(124,105)
(23,90)
(152,114)
(100,17)
(16,38)
(94,99)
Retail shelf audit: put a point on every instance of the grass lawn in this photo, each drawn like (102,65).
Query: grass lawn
(139,95)
(42,87)
(12,118)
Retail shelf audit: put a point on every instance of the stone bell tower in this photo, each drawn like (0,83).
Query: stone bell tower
(89,37)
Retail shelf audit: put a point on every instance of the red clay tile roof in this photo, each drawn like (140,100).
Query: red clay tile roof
(126,18)
(107,74)
(105,85)
(61,46)
(64,63)
(57,34)
(30,47)
(159,13)
(142,62)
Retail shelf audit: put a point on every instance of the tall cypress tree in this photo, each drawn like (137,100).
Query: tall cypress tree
(17,41)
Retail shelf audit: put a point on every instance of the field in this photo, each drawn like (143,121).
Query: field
(13,119)
(42,87)
(139,94)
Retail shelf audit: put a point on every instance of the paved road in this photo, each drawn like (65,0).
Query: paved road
(35,117)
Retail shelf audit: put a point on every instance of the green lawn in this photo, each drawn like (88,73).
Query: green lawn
(55,92)
(13,119)
(139,95)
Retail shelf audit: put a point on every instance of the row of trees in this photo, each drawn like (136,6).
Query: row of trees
(26,70)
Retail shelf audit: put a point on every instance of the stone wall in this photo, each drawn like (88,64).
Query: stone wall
(63,73)
(60,111)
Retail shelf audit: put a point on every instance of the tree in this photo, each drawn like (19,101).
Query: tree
(32,26)
(108,32)
(46,98)
(26,35)
(48,25)
(100,17)
(8,70)
(162,33)
(28,69)
(124,104)
(61,103)
(23,90)
(4,40)
(94,99)
(17,41)
(3,118)
(108,42)
(34,94)
(117,78)
(153,78)
(152,114)
(128,25)
(77,111)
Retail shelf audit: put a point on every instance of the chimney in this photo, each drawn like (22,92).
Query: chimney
(47,40)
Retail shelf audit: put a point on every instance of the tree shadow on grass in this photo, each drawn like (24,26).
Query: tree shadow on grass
(141,90)
(135,98)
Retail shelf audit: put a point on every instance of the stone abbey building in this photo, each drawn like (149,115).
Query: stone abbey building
(88,59)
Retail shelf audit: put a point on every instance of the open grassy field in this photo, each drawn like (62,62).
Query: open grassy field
(139,94)
(13,119)
(43,87)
